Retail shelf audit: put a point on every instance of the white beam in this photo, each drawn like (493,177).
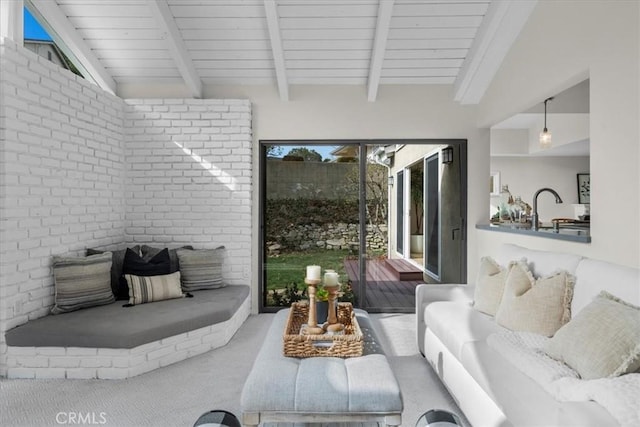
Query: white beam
(64,34)
(177,47)
(499,29)
(271,13)
(385,8)
(12,20)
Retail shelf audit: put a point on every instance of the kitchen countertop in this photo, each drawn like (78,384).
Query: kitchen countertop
(570,233)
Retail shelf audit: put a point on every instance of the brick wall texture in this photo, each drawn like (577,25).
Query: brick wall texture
(82,168)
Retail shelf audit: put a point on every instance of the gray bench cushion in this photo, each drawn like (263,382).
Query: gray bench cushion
(321,384)
(115,326)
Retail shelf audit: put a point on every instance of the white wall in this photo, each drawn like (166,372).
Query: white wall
(526,175)
(598,40)
(189,177)
(62,171)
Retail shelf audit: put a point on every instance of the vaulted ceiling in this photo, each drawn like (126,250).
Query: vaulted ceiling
(288,42)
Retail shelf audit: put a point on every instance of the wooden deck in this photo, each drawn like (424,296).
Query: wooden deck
(390,284)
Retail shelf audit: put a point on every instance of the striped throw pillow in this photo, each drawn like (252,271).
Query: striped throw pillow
(144,289)
(201,268)
(82,282)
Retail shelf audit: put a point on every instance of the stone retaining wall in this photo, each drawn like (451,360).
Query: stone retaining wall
(329,236)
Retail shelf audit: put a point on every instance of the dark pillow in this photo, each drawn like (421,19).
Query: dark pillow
(149,252)
(117,261)
(157,265)
(135,265)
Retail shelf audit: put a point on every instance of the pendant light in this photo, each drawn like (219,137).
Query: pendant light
(545,135)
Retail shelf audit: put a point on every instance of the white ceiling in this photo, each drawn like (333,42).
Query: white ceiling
(288,42)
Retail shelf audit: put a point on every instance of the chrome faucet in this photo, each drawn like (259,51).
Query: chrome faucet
(534,216)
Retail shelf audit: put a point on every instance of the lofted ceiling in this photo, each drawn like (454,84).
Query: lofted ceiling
(288,42)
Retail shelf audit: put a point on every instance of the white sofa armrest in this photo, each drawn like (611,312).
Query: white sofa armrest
(426,294)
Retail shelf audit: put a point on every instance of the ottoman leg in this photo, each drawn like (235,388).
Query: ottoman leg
(250,419)
(393,420)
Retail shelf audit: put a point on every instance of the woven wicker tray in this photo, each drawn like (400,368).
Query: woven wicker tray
(349,344)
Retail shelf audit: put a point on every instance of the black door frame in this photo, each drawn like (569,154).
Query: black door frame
(362,144)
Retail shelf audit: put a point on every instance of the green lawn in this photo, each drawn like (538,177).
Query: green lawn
(292,267)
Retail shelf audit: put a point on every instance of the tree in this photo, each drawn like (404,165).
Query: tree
(274,150)
(376,182)
(417,196)
(306,154)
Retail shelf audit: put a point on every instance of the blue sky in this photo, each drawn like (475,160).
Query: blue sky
(323,150)
(33,30)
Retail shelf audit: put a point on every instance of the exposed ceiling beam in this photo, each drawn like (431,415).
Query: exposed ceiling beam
(385,9)
(64,34)
(170,32)
(271,12)
(499,29)
(11,21)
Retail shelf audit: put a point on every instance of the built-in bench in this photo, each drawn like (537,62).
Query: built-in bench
(113,342)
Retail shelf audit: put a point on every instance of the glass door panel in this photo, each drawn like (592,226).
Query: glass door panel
(310,203)
(399,194)
(432,215)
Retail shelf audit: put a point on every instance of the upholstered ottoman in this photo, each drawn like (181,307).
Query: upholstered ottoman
(321,389)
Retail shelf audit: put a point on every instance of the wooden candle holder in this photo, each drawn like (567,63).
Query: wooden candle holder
(332,321)
(312,323)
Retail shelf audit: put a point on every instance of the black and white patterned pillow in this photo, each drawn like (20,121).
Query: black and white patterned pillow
(144,289)
(82,282)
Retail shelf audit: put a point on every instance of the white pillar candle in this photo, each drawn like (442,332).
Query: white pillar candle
(313,272)
(331,279)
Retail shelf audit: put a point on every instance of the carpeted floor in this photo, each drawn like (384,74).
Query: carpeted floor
(178,394)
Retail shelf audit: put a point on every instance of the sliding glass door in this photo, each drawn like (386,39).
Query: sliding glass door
(373,211)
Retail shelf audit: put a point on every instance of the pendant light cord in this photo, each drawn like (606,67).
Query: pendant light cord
(545,112)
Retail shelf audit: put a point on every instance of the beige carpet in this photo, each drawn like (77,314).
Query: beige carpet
(178,394)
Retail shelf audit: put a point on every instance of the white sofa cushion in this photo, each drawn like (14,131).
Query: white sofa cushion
(522,400)
(457,323)
(595,276)
(542,263)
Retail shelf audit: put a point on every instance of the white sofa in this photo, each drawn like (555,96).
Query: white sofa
(489,389)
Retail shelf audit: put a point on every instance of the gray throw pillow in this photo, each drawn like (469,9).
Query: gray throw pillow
(117,264)
(201,268)
(82,282)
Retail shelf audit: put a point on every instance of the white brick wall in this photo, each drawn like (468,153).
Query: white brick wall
(189,176)
(62,184)
(81,168)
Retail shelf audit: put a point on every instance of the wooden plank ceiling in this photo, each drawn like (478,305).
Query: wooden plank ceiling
(281,42)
